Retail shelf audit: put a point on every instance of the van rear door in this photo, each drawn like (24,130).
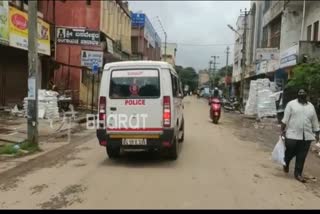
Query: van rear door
(134,101)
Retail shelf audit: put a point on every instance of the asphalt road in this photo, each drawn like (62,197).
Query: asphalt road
(215,170)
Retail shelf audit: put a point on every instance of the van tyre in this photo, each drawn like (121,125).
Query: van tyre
(182,130)
(173,151)
(113,152)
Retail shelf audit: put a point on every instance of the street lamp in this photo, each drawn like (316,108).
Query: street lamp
(243,51)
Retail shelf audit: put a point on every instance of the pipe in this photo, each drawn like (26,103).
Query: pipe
(303,17)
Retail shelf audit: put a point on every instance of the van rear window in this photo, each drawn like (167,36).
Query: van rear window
(134,84)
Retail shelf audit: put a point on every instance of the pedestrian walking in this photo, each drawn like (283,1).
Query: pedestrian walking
(300,127)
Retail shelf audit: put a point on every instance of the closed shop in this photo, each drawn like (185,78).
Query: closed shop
(13,76)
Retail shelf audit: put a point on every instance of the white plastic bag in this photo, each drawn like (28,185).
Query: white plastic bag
(278,152)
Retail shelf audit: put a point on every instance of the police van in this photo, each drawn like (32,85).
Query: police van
(140,108)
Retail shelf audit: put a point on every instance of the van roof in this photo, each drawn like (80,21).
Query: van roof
(138,63)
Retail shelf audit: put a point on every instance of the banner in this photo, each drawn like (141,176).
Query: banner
(18,33)
(4,22)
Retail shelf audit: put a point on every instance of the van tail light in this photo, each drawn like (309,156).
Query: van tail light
(102,110)
(166,111)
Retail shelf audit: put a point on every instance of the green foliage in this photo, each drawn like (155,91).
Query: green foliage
(26,146)
(188,76)
(307,76)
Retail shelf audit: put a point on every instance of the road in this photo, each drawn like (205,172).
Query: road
(215,170)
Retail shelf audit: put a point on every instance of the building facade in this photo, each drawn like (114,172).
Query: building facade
(145,41)
(14,50)
(169,52)
(204,78)
(95,32)
(281,34)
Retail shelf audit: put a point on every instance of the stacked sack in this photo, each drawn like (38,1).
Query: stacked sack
(47,104)
(251,105)
(266,104)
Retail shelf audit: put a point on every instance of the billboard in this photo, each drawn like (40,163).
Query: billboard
(18,32)
(4,22)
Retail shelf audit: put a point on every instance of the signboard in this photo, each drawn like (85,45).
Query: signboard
(289,57)
(150,34)
(267,54)
(77,36)
(4,22)
(261,67)
(18,32)
(110,45)
(137,19)
(91,58)
(273,65)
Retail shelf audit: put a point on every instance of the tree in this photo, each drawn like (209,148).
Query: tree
(307,75)
(188,76)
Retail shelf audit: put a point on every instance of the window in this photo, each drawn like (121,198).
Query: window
(309,33)
(175,85)
(265,37)
(316,31)
(134,84)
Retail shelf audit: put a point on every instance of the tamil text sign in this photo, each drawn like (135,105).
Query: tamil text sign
(77,36)
(18,33)
(267,54)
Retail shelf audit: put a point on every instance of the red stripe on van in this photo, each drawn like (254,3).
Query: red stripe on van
(134,129)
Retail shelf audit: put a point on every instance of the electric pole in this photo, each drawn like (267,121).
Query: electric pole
(165,39)
(245,13)
(215,62)
(33,72)
(227,62)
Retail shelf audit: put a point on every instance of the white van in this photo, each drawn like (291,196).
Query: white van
(140,108)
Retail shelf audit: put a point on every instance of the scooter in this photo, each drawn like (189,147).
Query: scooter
(215,110)
(233,105)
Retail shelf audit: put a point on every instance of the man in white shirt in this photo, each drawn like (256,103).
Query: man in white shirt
(300,127)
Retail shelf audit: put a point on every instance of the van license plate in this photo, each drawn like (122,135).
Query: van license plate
(127,142)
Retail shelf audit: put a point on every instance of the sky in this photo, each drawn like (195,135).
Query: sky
(198,27)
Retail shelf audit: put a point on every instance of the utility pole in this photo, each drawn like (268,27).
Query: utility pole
(215,63)
(165,39)
(33,72)
(245,13)
(227,63)
(165,46)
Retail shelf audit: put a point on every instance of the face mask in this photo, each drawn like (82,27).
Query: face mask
(302,98)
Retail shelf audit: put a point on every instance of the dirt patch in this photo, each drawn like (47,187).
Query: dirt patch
(67,197)
(266,134)
(10,178)
(38,188)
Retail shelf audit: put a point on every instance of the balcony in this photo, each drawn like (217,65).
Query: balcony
(308,50)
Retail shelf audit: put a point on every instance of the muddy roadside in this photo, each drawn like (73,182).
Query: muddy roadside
(265,135)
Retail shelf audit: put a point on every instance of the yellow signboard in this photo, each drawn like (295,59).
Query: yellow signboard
(18,31)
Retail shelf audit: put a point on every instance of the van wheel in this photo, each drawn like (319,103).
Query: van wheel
(181,139)
(113,152)
(173,151)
